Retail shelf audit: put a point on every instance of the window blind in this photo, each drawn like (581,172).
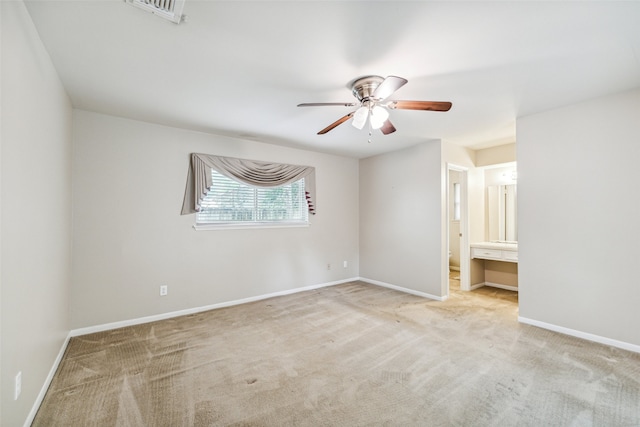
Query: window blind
(229,201)
(249,172)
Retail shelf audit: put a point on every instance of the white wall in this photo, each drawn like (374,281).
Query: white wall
(36,212)
(129,238)
(502,175)
(495,155)
(578,210)
(401,216)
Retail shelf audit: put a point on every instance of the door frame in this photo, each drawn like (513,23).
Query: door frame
(464,226)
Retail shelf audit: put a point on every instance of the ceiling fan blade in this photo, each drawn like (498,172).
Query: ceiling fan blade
(420,105)
(338,122)
(387,128)
(388,86)
(325,104)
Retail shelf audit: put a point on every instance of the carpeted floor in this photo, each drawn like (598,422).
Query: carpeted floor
(347,355)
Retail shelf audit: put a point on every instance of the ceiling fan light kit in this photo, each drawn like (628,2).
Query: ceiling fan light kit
(371,93)
(378,116)
(360,117)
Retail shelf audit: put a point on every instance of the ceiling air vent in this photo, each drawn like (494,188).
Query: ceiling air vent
(167,9)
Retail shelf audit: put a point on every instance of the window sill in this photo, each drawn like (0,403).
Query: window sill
(235,226)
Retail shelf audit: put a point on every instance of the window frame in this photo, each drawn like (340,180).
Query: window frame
(237,225)
(455,217)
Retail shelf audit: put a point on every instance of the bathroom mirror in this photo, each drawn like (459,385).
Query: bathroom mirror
(502,213)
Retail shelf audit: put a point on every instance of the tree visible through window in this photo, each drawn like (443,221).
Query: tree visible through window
(232,202)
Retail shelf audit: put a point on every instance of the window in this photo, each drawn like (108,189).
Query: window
(231,203)
(226,191)
(456,201)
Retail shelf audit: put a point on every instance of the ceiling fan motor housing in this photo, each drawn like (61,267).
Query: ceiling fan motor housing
(364,87)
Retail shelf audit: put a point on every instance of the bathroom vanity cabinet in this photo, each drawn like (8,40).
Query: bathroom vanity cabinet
(498,263)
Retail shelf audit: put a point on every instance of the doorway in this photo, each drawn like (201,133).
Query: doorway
(457,227)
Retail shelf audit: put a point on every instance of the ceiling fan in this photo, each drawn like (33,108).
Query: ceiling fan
(372,93)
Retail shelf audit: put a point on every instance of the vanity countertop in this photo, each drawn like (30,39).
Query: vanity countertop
(496,251)
(508,246)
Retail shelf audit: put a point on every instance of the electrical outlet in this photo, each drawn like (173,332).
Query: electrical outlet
(345,264)
(164,289)
(18,386)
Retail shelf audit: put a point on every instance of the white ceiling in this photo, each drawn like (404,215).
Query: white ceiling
(240,68)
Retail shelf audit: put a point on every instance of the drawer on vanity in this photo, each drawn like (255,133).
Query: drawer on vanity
(486,253)
(510,255)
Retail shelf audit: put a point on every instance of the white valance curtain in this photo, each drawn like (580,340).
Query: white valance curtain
(250,172)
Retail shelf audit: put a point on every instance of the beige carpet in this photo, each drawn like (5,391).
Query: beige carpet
(347,355)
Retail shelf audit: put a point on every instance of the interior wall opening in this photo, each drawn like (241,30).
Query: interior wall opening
(457,229)
(494,259)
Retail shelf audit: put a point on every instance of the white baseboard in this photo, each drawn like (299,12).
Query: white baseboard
(494,285)
(47,383)
(401,289)
(501,286)
(147,319)
(169,315)
(579,334)
(99,328)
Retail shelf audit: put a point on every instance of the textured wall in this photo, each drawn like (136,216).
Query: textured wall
(36,212)
(578,210)
(129,237)
(401,216)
